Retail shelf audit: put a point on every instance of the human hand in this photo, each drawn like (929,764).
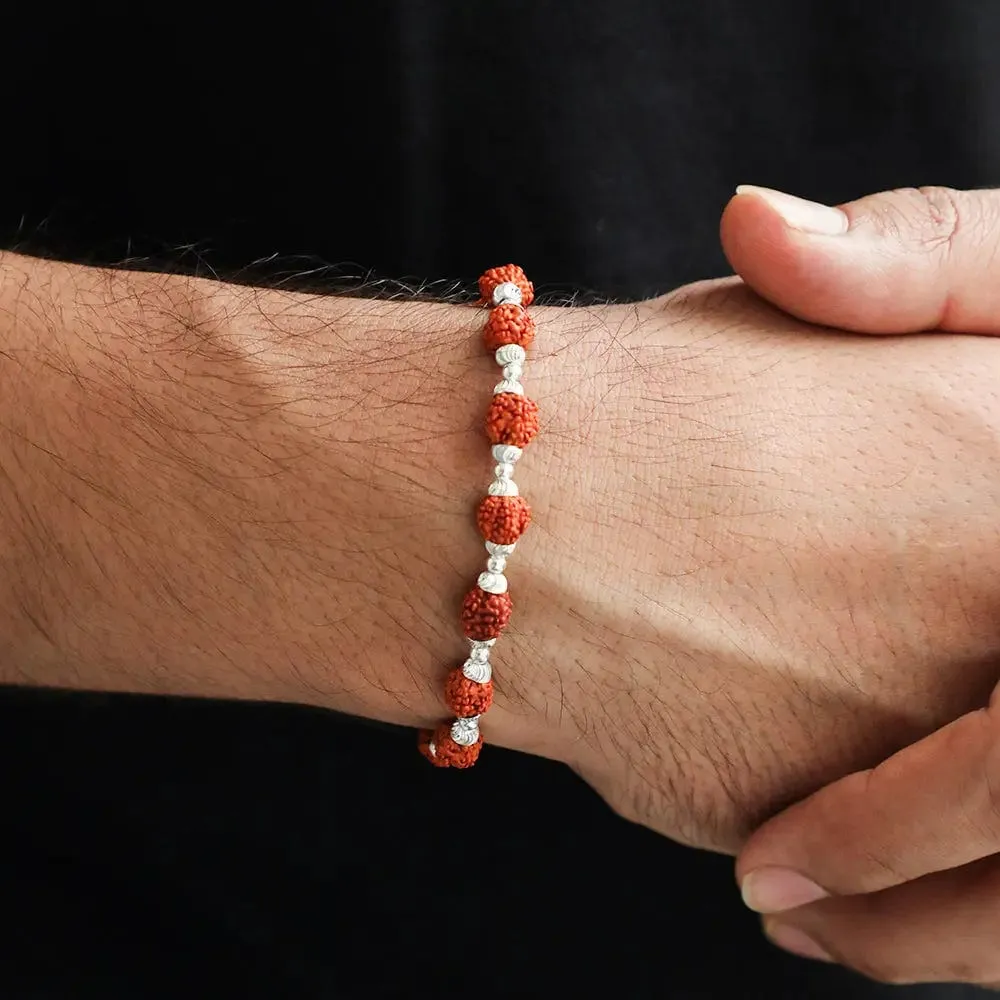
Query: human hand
(908,850)
(766,554)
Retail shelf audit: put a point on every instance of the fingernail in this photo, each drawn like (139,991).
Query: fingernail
(806,216)
(796,941)
(773,890)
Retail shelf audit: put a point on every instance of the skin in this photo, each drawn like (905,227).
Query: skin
(764,554)
(892,870)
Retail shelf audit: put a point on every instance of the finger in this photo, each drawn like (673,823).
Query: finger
(896,262)
(932,806)
(942,928)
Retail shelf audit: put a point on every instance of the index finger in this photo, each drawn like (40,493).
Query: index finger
(932,806)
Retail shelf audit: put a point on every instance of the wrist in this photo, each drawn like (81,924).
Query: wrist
(601,526)
(621,647)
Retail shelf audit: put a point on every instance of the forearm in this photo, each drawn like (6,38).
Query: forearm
(215,490)
(223,491)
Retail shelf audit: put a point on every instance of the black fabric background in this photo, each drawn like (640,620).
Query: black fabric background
(167,848)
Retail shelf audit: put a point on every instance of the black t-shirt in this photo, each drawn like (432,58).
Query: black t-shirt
(167,848)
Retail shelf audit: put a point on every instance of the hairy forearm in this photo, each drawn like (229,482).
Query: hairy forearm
(733,589)
(224,491)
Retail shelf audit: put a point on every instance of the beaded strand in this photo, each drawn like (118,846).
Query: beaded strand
(502,516)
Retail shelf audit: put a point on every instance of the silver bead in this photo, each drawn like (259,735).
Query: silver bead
(513,373)
(510,354)
(506,453)
(496,564)
(465,732)
(503,470)
(432,749)
(506,293)
(492,583)
(476,671)
(503,488)
(496,549)
(479,654)
(509,385)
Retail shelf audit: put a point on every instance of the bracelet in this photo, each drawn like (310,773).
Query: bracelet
(502,516)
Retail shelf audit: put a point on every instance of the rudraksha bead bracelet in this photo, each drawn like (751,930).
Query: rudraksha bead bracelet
(511,423)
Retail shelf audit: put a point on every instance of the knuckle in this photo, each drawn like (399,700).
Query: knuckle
(939,217)
(926,218)
(884,870)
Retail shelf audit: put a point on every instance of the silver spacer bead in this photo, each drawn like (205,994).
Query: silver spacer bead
(496,564)
(513,373)
(465,732)
(432,749)
(506,453)
(492,583)
(477,672)
(503,470)
(503,488)
(510,354)
(496,549)
(479,655)
(508,385)
(506,293)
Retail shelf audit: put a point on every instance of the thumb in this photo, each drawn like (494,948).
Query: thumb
(933,806)
(896,262)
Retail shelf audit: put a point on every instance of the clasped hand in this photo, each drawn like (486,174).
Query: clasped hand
(768,556)
(893,870)
(865,592)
